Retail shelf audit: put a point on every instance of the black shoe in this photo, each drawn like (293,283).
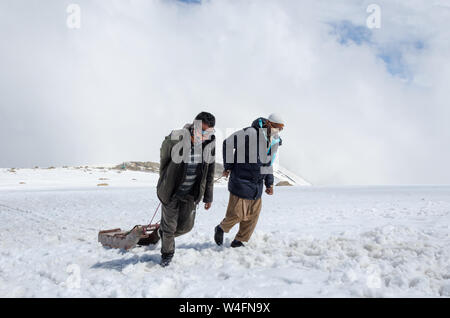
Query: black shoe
(236,243)
(218,235)
(166,259)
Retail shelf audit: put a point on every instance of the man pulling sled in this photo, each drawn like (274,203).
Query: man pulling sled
(186,176)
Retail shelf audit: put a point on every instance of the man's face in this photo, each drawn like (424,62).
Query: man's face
(275,128)
(203,134)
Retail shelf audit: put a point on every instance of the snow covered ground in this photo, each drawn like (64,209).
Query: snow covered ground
(310,241)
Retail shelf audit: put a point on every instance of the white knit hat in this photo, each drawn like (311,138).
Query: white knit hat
(276,118)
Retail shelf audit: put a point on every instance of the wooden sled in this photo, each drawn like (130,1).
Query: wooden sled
(140,235)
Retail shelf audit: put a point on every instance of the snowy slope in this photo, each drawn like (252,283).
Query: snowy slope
(282,174)
(310,241)
(73,177)
(69,177)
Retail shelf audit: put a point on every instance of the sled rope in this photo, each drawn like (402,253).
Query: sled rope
(159,205)
(218,179)
(157,208)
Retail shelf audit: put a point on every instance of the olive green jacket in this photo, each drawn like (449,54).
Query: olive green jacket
(173,174)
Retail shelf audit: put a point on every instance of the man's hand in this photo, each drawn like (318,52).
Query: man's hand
(269,190)
(226,173)
(208,205)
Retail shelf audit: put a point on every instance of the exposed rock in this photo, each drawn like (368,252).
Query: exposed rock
(138,166)
(149,166)
(283,184)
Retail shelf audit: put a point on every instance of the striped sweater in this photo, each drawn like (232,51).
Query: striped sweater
(191,174)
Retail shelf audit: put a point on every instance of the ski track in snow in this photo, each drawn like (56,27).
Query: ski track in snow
(309,242)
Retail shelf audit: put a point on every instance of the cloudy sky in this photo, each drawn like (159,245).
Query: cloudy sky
(362,106)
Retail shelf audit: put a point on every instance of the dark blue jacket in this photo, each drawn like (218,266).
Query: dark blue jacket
(254,169)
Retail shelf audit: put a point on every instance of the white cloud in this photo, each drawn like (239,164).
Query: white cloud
(136,69)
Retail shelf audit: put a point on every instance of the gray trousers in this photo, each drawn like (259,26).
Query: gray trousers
(177,218)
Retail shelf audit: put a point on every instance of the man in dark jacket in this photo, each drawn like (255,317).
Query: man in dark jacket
(186,176)
(248,156)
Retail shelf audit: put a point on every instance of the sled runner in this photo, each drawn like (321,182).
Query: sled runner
(139,235)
